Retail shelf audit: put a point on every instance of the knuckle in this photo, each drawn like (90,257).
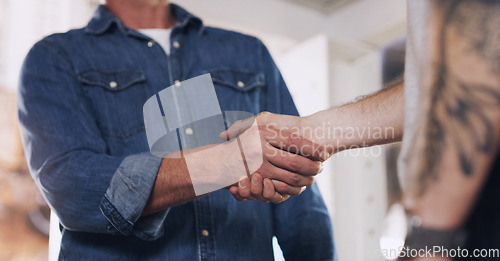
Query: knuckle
(264,170)
(289,190)
(244,193)
(263,117)
(294,140)
(295,180)
(290,140)
(294,164)
(263,114)
(254,194)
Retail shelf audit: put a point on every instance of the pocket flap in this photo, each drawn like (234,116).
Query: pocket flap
(112,81)
(238,80)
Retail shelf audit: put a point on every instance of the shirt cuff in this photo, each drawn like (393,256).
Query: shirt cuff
(128,194)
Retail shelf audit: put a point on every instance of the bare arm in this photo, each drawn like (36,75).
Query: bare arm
(172,187)
(375,120)
(459,132)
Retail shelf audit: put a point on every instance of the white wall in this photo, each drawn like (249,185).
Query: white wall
(353,183)
(362,20)
(27,21)
(360,188)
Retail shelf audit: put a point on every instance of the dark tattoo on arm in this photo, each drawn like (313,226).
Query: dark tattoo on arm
(458,105)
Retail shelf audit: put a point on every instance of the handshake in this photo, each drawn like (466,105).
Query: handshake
(288,158)
(271,155)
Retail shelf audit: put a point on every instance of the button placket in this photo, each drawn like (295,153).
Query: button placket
(177,83)
(205,228)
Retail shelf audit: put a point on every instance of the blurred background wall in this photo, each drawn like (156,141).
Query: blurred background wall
(329,52)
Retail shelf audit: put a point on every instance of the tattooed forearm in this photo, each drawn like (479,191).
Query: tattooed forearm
(460,102)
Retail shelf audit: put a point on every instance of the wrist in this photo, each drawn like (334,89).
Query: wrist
(325,128)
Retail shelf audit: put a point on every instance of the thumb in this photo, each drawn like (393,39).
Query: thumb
(236,129)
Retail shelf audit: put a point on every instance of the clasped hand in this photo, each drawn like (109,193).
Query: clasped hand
(290,161)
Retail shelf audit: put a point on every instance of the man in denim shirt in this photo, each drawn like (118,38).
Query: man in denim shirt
(80,108)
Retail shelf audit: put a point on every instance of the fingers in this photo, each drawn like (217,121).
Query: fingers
(236,129)
(292,162)
(262,118)
(270,193)
(258,188)
(295,143)
(259,185)
(286,189)
(281,131)
(291,178)
(234,190)
(250,189)
(244,188)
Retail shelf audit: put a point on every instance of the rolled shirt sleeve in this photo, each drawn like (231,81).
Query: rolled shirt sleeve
(128,194)
(89,189)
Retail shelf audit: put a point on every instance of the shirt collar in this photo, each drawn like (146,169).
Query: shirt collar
(103,19)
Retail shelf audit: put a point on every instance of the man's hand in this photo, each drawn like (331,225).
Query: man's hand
(290,160)
(288,133)
(257,188)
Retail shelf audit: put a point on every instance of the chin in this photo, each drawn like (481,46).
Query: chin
(158,2)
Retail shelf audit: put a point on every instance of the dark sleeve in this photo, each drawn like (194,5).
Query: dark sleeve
(90,190)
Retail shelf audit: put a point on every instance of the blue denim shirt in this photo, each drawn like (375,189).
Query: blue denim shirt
(80,109)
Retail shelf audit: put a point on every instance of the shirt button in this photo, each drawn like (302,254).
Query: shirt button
(113,84)
(176,44)
(151,43)
(189,131)
(205,233)
(241,84)
(177,83)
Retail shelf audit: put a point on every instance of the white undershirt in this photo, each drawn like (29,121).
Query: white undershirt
(160,35)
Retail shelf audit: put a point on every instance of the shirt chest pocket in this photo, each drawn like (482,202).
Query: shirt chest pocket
(239,90)
(116,98)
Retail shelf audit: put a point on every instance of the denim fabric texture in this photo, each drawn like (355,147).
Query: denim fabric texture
(80,107)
